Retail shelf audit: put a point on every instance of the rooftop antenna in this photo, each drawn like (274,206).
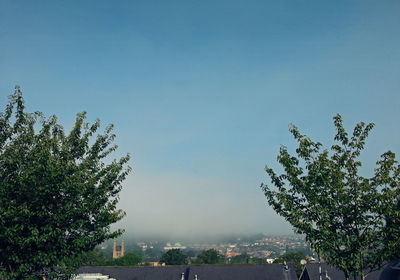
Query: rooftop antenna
(285,270)
(285,266)
(327,276)
(320,268)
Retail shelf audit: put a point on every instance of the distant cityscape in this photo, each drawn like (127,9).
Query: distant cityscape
(267,247)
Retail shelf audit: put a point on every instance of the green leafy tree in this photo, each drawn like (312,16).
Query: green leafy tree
(58,191)
(174,257)
(153,254)
(95,257)
(191,253)
(257,260)
(210,256)
(350,220)
(240,259)
(129,259)
(294,258)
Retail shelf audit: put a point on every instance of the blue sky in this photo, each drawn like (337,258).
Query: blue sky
(201,92)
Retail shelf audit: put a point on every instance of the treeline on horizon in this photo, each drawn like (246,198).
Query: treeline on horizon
(99,257)
(201,239)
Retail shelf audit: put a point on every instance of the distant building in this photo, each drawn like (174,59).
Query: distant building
(92,276)
(175,246)
(156,264)
(118,251)
(232,254)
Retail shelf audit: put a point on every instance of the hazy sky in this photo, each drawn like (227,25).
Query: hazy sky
(201,92)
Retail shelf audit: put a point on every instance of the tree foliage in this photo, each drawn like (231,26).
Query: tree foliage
(94,257)
(174,257)
(240,259)
(58,191)
(210,256)
(350,220)
(292,257)
(128,259)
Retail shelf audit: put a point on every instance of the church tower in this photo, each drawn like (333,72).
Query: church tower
(118,251)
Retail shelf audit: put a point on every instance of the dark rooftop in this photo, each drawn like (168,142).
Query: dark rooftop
(311,272)
(203,272)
